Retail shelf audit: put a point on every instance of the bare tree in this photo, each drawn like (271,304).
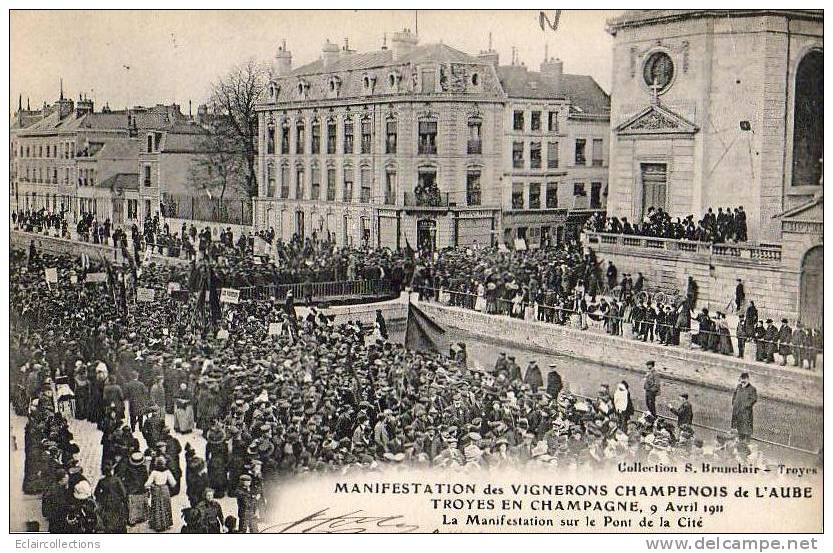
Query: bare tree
(234,97)
(220,166)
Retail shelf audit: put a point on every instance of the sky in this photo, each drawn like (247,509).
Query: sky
(174,56)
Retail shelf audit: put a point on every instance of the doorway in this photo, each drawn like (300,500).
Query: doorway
(811,308)
(654,186)
(427,234)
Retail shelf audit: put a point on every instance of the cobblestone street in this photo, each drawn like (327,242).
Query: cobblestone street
(88,437)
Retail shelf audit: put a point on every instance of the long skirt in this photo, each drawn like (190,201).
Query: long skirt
(184,419)
(137,508)
(161,517)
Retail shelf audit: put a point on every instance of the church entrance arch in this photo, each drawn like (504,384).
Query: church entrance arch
(811,308)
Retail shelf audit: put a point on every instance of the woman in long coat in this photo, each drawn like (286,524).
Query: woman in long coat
(159,482)
(623,405)
(216,459)
(111,498)
(134,474)
(82,394)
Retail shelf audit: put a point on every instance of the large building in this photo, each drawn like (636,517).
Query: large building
(412,145)
(63,152)
(723,108)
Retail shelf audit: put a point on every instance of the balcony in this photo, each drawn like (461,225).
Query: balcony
(429,198)
(625,243)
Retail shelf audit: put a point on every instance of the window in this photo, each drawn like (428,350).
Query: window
(147,209)
(55,176)
(535,195)
(146,170)
(390,137)
(596,195)
(517,195)
(270,138)
(518,121)
(427,193)
(429,80)
(552,155)
(475,144)
(132,209)
(300,137)
(427,137)
(315,147)
(270,180)
(578,190)
(552,195)
(390,187)
(535,120)
(284,182)
(315,183)
(348,185)
(157,138)
(150,149)
(331,137)
(285,138)
(581,158)
(348,136)
(299,183)
(535,155)
(473,188)
(331,185)
(366,180)
(518,155)
(598,155)
(552,121)
(367,136)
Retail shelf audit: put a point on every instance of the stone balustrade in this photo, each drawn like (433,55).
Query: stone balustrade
(623,242)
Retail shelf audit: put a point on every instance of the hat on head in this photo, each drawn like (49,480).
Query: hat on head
(137,459)
(82,490)
(650,363)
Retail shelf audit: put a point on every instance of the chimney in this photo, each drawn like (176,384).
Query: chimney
(84,106)
(403,43)
(551,71)
(283,61)
(490,55)
(329,53)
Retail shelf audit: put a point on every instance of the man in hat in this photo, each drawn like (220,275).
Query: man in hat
(136,394)
(770,341)
(246,505)
(501,365)
(740,333)
(785,335)
(554,382)
(743,401)
(652,387)
(514,369)
(683,411)
(533,377)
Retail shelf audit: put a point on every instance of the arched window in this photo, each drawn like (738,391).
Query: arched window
(270,137)
(270,180)
(300,137)
(808,121)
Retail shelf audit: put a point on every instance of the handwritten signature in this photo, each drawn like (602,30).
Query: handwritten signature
(354,522)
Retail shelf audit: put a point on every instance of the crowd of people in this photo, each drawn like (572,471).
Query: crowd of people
(727,226)
(314,397)
(566,285)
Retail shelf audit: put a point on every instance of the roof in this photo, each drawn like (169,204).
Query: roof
(26,118)
(636,18)
(120,182)
(441,53)
(120,149)
(583,92)
(189,141)
(157,117)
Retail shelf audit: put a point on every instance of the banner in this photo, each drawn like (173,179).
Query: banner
(96,277)
(520,244)
(222,334)
(180,295)
(51,274)
(144,294)
(275,329)
(230,295)
(173,287)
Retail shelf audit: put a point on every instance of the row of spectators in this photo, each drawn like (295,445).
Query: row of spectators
(727,226)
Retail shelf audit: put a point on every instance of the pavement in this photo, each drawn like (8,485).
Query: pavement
(88,437)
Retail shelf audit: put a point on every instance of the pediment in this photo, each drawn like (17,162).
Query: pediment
(656,119)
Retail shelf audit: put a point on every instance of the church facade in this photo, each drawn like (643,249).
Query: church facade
(724,108)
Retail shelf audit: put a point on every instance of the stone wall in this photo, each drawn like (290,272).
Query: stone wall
(773,287)
(718,371)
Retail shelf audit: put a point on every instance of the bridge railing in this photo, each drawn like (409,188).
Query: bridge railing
(319,290)
(604,241)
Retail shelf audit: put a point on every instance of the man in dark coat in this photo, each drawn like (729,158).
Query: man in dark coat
(685,415)
(514,369)
(770,341)
(652,387)
(501,365)
(741,335)
(554,382)
(740,296)
(54,502)
(785,335)
(136,394)
(533,377)
(743,401)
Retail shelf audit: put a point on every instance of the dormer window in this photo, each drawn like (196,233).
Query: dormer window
(475,79)
(273,91)
(392,80)
(335,85)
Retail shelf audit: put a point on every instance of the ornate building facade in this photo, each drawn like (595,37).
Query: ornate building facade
(400,146)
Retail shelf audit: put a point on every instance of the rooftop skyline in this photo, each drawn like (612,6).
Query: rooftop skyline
(143,58)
